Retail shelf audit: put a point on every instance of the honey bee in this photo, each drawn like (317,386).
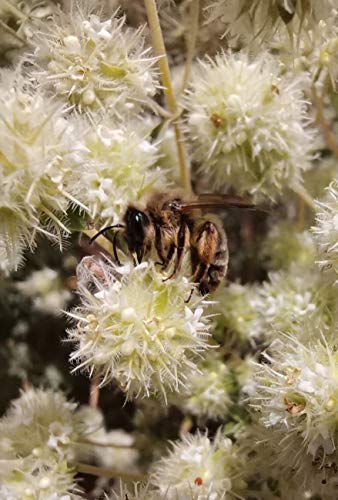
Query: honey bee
(171,225)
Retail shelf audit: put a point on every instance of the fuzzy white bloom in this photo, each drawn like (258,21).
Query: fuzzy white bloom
(38,438)
(285,245)
(297,393)
(95,63)
(120,166)
(326,228)
(138,330)
(46,290)
(236,316)
(29,480)
(316,52)
(249,125)
(282,469)
(37,151)
(292,297)
(198,467)
(41,424)
(209,393)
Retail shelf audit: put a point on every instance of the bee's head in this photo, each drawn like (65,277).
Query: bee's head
(137,223)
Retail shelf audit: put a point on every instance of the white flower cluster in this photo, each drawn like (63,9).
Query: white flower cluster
(95,63)
(38,438)
(209,392)
(249,125)
(38,149)
(326,228)
(297,396)
(46,289)
(138,330)
(120,166)
(198,467)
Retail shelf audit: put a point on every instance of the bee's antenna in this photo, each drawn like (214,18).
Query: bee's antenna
(103,231)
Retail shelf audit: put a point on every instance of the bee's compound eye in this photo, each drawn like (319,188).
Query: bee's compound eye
(136,222)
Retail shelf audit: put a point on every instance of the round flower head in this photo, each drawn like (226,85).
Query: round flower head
(297,393)
(37,151)
(326,228)
(119,167)
(199,468)
(209,393)
(285,245)
(40,424)
(315,53)
(28,480)
(248,125)
(46,289)
(95,63)
(236,317)
(138,330)
(282,469)
(293,297)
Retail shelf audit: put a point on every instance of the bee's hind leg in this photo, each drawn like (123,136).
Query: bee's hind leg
(181,246)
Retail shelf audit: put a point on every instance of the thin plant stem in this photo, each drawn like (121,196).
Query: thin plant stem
(93,470)
(159,49)
(94,393)
(105,445)
(191,42)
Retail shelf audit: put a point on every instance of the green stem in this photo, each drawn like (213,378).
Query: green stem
(93,470)
(159,49)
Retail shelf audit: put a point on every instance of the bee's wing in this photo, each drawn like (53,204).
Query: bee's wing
(213,201)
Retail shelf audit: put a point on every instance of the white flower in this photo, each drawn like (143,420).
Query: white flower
(120,166)
(326,228)
(137,492)
(297,393)
(248,125)
(41,424)
(138,330)
(200,468)
(209,392)
(29,480)
(292,297)
(38,149)
(236,316)
(285,245)
(95,63)
(46,289)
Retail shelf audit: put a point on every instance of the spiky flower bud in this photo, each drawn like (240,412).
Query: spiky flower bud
(38,439)
(120,166)
(209,392)
(38,149)
(248,125)
(297,393)
(198,467)
(326,228)
(138,330)
(95,63)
